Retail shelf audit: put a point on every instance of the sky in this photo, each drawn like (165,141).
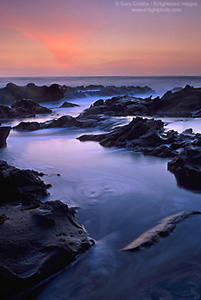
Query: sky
(99,38)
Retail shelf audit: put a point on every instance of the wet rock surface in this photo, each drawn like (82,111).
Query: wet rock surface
(140,135)
(100,90)
(20,186)
(37,238)
(4,133)
(12,93)
(62,122)
(186,167)
(102,122)
(165,227)
(22,108)
(68,104)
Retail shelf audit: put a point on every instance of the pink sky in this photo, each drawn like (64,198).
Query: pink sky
(96,37)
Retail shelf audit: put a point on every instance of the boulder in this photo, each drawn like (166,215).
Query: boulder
(22,108)
(30,106)
(20,186)
(186,167)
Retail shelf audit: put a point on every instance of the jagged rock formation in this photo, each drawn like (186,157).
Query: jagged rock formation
(22,108)
(182,103)
(143,135)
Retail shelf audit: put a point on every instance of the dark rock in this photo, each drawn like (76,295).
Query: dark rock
(70,122)
(12,92)
(68,104)
(21,186)
(139,135)
(28,126)
(37,239)
(92,137)
(3,219)
(160,151)
(183,103)
(36,243)
(62,122)
(30,106)
(4,133)
(98,102)
(22,108)
(165,227)
(186,167)
(7,112)
(55,92)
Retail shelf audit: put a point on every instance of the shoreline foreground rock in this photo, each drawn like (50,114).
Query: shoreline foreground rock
(37,238)
(4,133)
(164,229)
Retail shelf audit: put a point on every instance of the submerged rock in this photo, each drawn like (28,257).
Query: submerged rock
(165,227)
(37,238)
(70,122)
(68,104)
(62,122)
(4,133)
(186,167)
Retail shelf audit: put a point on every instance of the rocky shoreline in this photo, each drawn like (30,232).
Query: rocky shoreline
(40,237)
(183,103)
(37,238)
(55,92)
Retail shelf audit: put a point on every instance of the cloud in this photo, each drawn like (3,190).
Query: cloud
(59,25)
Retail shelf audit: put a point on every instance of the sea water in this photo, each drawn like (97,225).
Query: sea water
(120,195)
